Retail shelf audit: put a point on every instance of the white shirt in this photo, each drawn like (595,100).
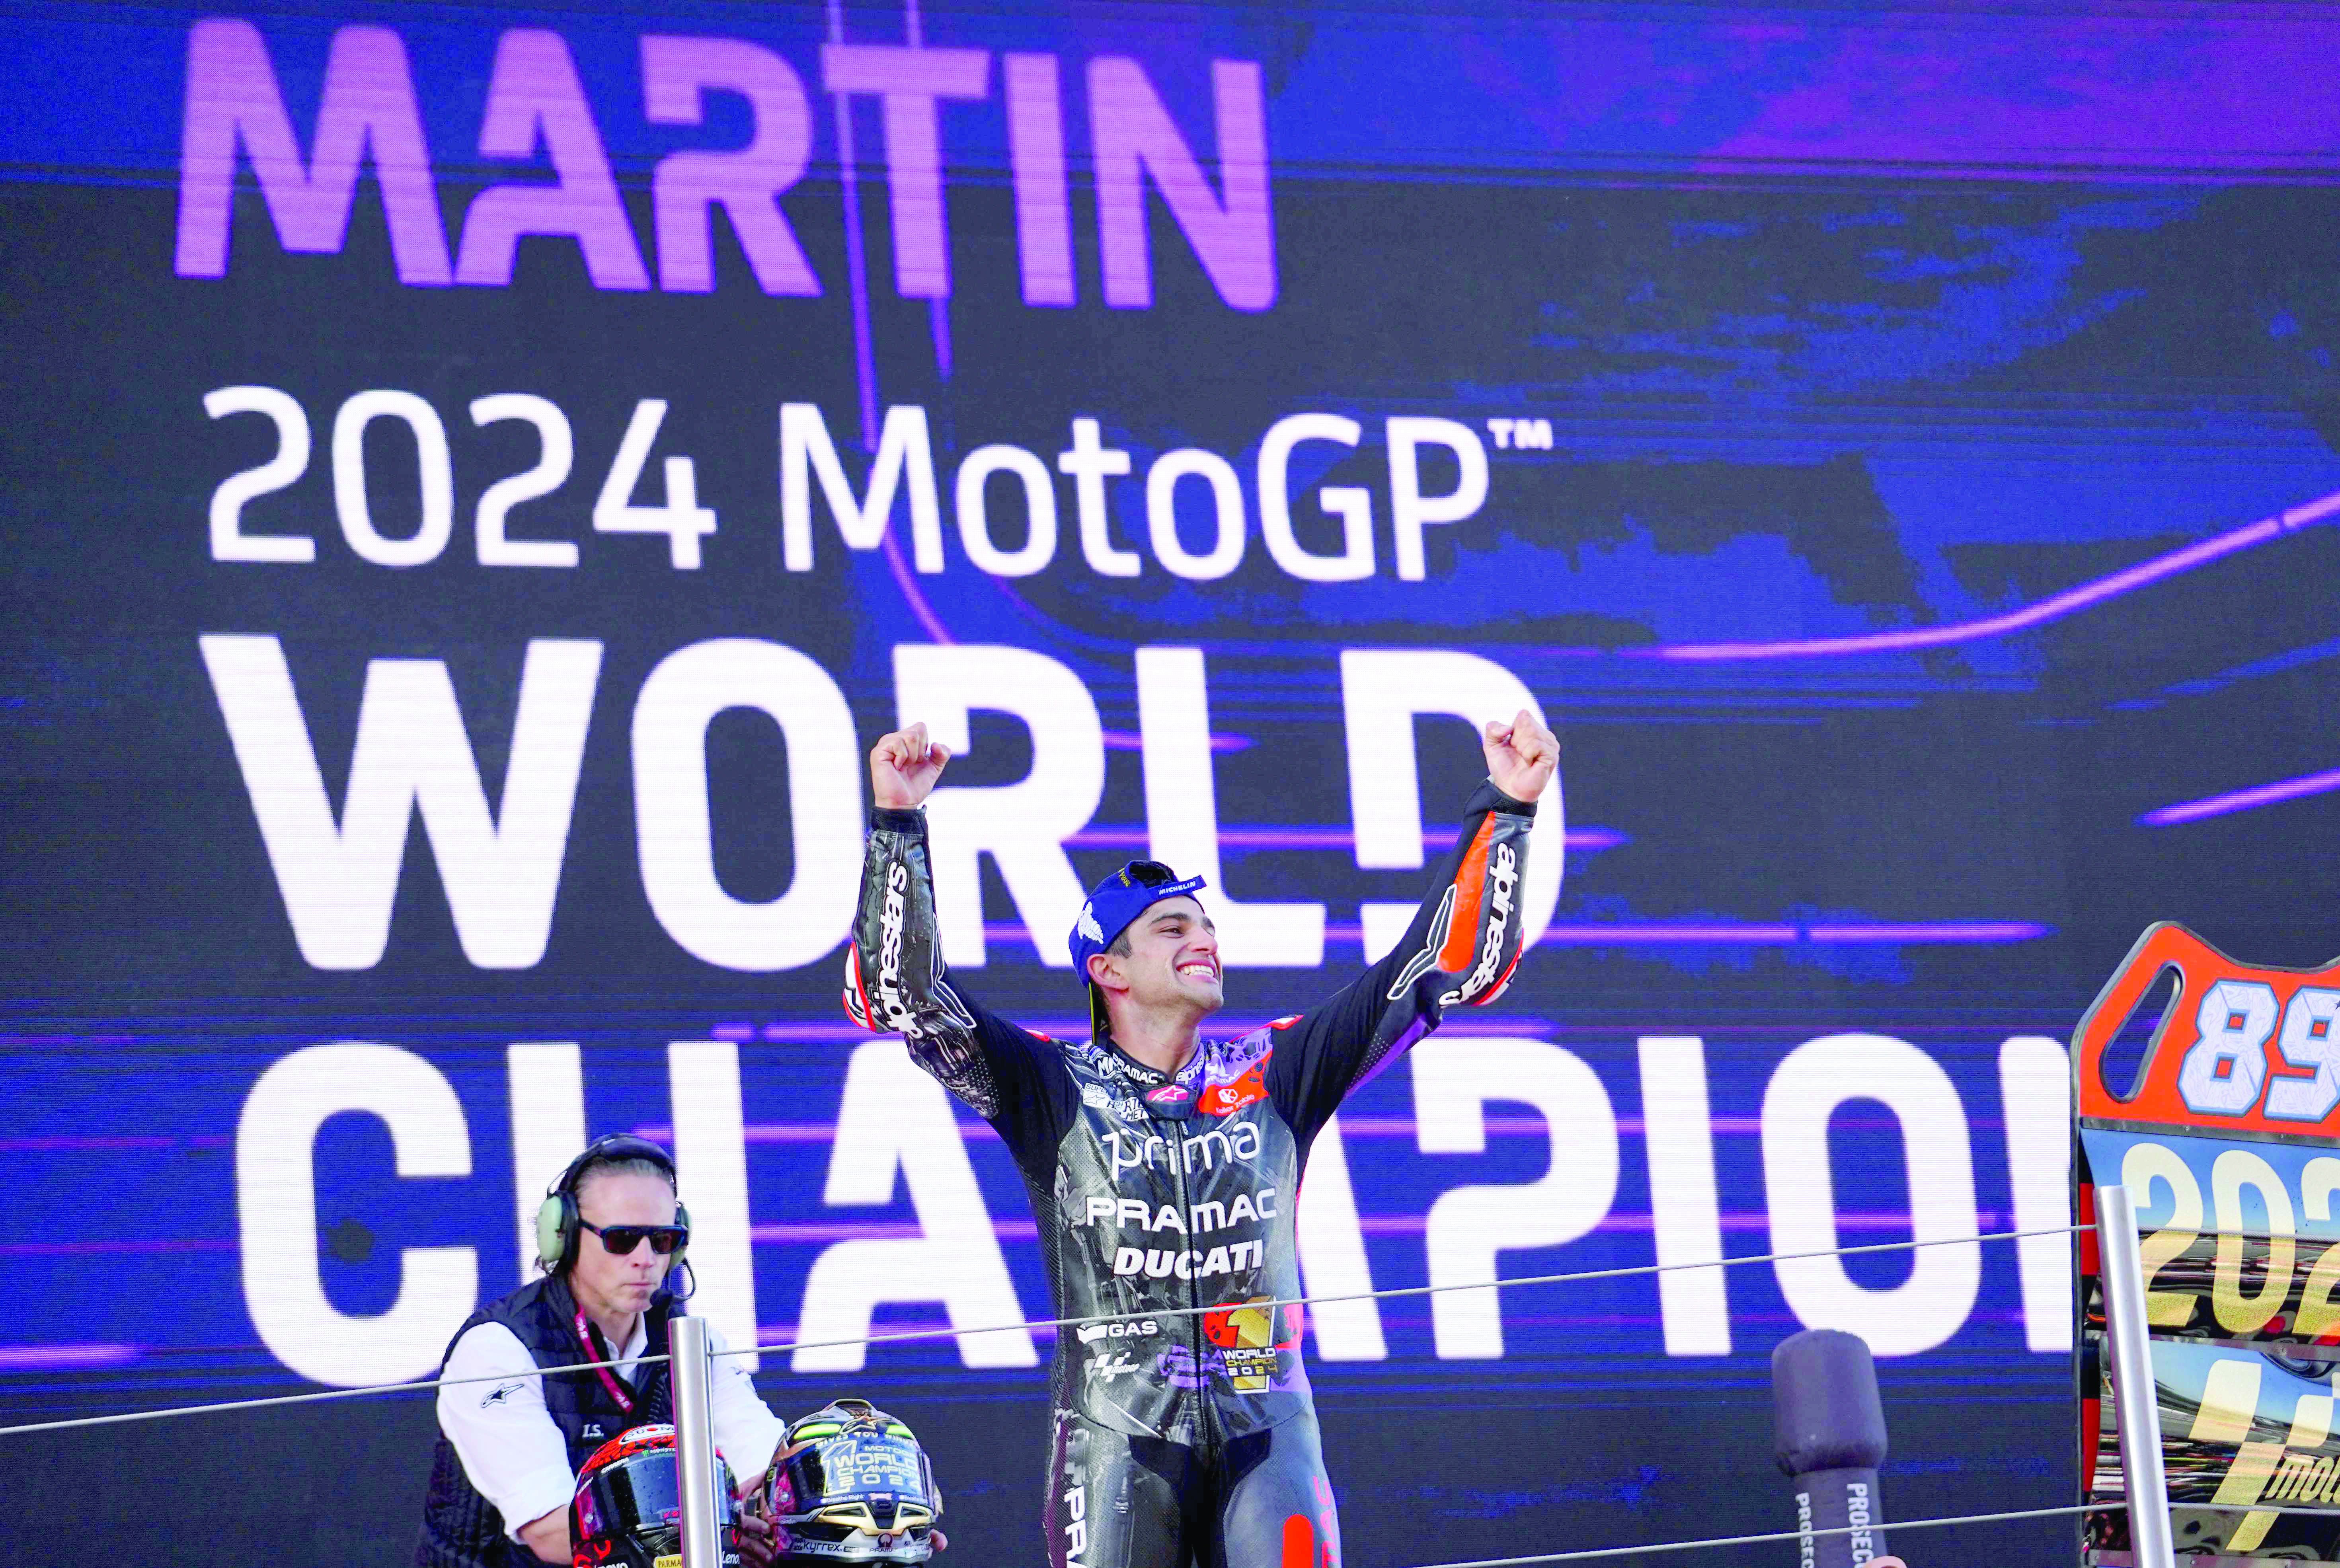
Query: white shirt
(514,1453)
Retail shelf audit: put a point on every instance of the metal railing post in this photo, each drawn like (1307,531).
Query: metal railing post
(2135,1397)
(694,1441)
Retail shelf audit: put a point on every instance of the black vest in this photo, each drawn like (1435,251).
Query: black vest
(462,1529)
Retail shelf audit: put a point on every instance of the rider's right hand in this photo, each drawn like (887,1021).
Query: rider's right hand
(903,768)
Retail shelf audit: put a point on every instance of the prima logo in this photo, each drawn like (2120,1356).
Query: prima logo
(1237,1143)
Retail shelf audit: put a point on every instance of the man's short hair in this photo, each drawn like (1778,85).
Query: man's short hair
(623,1164)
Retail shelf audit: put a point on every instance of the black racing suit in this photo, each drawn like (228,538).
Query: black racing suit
(1187,1438)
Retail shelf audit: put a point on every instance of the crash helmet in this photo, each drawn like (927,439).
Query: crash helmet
(628,1510)
(853,1486)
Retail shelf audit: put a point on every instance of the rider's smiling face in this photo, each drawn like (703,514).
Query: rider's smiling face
(1172,960)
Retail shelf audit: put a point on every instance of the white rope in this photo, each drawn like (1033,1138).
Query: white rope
(1412,1290)
(1880,1528)
(370,1389)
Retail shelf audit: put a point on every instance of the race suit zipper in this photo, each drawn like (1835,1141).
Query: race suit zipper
(1196,1340)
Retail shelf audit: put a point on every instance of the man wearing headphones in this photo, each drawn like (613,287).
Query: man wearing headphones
(509,1448)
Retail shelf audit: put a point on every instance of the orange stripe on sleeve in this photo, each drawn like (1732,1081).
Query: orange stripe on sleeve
(1470,896)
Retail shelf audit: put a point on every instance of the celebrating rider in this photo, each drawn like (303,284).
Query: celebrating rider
(1163,1168)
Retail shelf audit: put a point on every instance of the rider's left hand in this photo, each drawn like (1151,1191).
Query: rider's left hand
(1521,756)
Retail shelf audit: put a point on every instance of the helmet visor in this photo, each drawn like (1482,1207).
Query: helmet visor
(863,1494)
(638,1498)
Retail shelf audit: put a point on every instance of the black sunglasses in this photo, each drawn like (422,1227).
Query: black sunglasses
(619,1240)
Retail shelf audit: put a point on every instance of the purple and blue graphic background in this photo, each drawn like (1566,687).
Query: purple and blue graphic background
(1906,441)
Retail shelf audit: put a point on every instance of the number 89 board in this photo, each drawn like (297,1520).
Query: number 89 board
(2227,1138)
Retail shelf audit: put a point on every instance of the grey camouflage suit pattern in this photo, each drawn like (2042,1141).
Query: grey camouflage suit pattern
(1184,1433)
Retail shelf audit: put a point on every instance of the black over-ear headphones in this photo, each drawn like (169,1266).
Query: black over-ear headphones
(556,1218)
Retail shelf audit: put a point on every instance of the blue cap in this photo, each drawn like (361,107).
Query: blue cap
(1117,902)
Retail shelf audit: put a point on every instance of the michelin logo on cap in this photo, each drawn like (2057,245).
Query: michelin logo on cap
(1087,925)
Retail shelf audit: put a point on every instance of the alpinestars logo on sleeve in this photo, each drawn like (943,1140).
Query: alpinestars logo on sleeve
(1503,876)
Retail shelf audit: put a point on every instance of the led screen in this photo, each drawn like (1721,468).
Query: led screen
(478,483)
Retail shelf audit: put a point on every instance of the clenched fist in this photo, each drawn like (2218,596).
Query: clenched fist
(1521,756)
(904,766)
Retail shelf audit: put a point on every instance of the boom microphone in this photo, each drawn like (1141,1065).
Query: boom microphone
(1828,1434)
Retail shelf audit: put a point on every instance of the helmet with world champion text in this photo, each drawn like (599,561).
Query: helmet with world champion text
(628,1508)
(852,1486)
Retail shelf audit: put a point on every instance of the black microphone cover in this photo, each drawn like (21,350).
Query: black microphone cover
(1829,1435)
(1826,1414)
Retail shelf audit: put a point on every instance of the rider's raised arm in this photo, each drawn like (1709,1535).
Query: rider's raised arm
(1460,948)
(895,980)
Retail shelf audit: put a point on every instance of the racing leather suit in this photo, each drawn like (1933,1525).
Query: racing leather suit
(1190,1437)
